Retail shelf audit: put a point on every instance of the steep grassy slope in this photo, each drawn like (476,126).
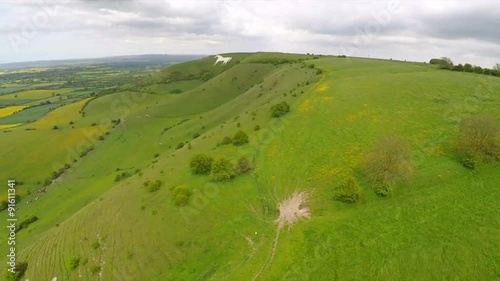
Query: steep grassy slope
(444,220)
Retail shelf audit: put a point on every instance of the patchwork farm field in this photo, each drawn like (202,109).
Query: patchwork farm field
(202,172)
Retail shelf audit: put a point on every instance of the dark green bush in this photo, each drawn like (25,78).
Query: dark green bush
(348,192)
(122,176)
(72,263)
(384,190)
(222,170)
(240,138)
(180,145)
(153,186)
(201,164)
(19,271)
(256,128)
(95,269)
(25,223)
(280,109)
(195,135)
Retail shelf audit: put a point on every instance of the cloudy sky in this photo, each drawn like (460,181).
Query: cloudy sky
(466,31)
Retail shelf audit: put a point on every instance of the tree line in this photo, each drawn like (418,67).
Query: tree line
(447,63)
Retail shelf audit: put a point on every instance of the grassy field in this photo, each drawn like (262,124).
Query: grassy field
(442,224)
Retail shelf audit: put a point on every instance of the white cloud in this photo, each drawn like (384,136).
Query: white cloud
(465,31)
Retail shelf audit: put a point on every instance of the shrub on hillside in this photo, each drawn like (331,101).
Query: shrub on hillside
(280,109)
(348,191)
(152,186)
(72,263)
(226,140)
(25,223)
(18,273)
(201,164)
(387,163)
(121,176)
(478,140)
(240,138)
(180,145)
(243,166)
(222,170)
(181,196)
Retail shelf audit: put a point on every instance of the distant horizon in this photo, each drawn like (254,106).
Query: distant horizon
(401,30)
(201,55)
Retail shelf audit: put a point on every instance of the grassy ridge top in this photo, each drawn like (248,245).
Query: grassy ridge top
(440,220)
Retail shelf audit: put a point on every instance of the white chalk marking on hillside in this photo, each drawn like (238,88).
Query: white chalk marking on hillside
(290,211)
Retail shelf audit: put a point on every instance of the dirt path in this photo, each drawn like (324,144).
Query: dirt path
(290,210)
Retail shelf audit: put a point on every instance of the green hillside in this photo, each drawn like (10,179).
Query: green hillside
(103,218)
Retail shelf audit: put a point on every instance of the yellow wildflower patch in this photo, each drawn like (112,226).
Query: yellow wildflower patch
(322,88)
(11,110)
(8,126)
(305,106)
(327,98)
(61,116)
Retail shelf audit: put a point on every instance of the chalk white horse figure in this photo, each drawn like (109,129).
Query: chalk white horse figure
(224,60)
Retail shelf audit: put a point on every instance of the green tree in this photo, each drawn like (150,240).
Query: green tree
(478,69)
(348,192)
(201,164)
(222,170)
(468,67)
(240,138)
(280,109)
(459,67)
(496,70)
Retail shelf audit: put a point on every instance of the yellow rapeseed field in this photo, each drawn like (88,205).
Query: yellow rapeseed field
(10,110)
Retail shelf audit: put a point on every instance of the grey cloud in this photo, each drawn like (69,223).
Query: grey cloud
(481,23)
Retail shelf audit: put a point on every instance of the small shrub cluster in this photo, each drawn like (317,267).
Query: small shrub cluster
(86,151)
(25,223)
(4,205)
(18,273)
(178,123)
(222,170)
(95,269)
(348,192)
(182,194)
(152,186)
(122,176)
(180,145)
(280,109)
(201,164)
(72,263)
(240,138)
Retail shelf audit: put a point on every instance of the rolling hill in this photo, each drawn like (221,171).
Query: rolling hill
(101,217)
